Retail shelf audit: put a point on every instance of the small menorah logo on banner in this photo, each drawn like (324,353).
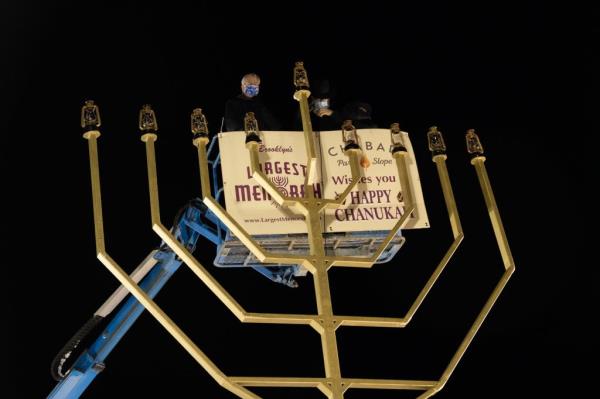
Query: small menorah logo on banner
(281,182)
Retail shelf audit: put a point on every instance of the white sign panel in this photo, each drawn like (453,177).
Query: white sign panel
(282,158)
(374,204)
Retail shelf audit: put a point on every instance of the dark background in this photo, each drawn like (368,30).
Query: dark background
(508,72)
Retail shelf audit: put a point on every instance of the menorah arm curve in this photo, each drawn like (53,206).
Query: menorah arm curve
(401,158)
(311,154)
(507,262)
(457,231)
(470,334)
(232,225)
(173,329)
(295,382)
(354,158)
(355,383)
(135,290)
(194,264)
(400,322)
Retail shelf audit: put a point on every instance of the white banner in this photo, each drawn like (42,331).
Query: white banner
(375,203)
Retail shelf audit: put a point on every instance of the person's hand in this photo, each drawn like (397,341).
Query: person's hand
(324,112)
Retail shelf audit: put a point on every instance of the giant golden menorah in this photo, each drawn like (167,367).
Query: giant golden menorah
(325,322)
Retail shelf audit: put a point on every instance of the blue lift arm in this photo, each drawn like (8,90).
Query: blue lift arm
(187,229)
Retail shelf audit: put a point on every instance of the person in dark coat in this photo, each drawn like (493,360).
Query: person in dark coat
(236,108)
(322,116)
(360,114)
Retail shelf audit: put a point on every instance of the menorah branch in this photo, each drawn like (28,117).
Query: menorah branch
(354,159)
(203,160)
(494,213)
(363,383)
(470,334)
(192,262)
(92,138)
(296,382)
(232,225)
(457,233)
(137,292)
(311,164)
(348,383)
(359,321)
(262,255)
(149,139)
(173,329)
(475,148)
(440,163)
(401,158)
(221,293)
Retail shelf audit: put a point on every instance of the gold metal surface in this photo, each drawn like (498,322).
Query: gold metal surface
(311,153)
(333,385)
(92,138)
(204,176)
(138,293)
(494,214)
(149,139)
(409,207)
(478,162)
(354,159)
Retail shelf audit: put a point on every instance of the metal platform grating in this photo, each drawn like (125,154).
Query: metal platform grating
(233,253)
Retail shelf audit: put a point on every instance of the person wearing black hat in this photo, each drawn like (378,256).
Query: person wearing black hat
(322,116)
(360,114)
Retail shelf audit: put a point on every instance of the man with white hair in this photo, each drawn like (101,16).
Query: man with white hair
(237,107)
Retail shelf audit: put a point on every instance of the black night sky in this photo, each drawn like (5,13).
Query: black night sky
(482,66)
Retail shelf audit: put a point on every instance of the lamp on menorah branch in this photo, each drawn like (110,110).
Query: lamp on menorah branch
(251,128)
(199,125)
(300,77)
(397,140)
(474,146)
(436,141)
(147,120)
(90,116)
(349,136)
